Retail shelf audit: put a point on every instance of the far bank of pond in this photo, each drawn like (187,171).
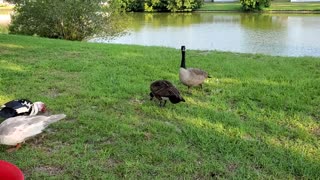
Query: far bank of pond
(274,34)
(279,7)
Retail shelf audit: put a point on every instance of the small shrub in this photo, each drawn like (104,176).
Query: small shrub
(254,5)
(64,19)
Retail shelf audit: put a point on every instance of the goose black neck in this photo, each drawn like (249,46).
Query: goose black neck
(183,58)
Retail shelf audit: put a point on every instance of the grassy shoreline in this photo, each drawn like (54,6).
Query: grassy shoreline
(258,117)
(276,7)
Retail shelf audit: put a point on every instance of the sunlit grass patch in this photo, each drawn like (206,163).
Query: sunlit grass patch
(10,66)
(221,7)
(288,6)
(7,45)
(3,98)
(275,6)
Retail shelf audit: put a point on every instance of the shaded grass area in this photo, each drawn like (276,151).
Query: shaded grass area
(258,117)
(275,6)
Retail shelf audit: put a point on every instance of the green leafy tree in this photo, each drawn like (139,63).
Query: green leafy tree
(254,5)
(184,5)
(133,5)
(65,19)
(161,5)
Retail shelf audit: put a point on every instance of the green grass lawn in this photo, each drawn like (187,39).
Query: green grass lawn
(256,118)
(286,6)
(275,6)
(6,7)
(220,7)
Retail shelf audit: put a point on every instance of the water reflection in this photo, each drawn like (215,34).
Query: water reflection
(265,34)
(285,34)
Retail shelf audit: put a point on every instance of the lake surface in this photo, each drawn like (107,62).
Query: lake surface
(273,34)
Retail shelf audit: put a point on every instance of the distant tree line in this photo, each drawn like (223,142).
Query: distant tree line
(160,5)
(182,5)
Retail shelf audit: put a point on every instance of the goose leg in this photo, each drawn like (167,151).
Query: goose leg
(160,100)
(165,101)
(162,104)
(151,96)
(14,148)
(18,146)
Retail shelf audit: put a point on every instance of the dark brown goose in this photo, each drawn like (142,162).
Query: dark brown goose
(190,76)
(165,90)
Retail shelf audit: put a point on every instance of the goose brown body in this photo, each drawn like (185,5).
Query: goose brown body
(191,76)
(165,90)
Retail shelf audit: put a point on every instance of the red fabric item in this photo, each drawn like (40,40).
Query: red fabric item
(9,171)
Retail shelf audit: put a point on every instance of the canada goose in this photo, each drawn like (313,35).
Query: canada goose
(15,130)
(190,76)
(21,107)
(164,90)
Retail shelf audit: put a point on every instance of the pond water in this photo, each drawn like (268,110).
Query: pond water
(273,34)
